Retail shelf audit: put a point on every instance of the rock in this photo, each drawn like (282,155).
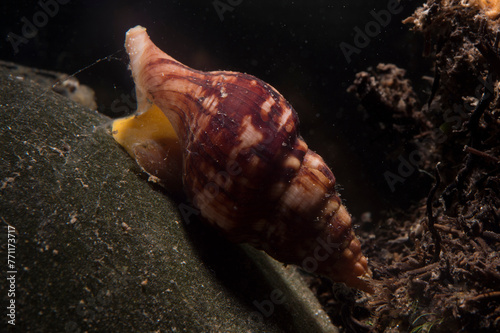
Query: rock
(100,249)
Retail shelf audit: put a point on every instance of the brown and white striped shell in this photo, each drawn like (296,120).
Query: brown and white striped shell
(244,164)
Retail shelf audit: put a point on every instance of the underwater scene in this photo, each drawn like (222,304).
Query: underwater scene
(250,166)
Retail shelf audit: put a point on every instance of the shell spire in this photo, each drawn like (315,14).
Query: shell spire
(244,164)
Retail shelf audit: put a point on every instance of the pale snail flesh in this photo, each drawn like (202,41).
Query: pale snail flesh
(243,162)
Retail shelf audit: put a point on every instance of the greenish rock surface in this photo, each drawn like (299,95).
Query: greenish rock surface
(100,249)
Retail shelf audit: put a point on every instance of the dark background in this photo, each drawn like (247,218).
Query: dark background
(293,45)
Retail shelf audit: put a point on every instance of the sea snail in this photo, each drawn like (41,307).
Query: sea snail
(235,140)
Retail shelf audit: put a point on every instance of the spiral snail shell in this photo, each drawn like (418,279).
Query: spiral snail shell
(244,164)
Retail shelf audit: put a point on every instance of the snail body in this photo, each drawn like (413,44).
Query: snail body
(244,164)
